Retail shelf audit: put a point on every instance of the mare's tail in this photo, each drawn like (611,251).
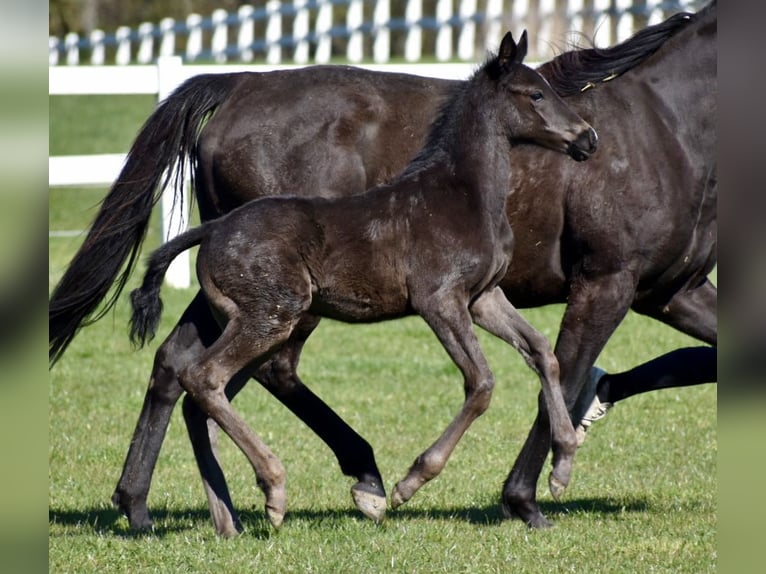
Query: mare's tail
(146,302)
(163,146)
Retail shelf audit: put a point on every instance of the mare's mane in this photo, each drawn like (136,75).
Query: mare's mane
(577,70)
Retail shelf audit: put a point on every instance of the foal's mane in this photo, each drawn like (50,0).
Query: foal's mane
(442,133)
(580,69)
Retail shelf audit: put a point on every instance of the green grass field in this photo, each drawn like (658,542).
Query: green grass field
(642,499)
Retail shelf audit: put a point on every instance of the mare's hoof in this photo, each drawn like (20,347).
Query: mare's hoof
(533,519)
(371,504)
(138,517)
(556,486)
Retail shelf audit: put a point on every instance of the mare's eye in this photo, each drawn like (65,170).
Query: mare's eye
(536,96)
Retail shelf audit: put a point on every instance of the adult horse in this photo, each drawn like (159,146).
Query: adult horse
(434,242)
(634,227)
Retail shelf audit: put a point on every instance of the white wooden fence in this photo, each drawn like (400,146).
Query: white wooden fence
(304,31)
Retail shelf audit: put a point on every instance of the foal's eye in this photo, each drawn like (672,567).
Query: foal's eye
(536,96)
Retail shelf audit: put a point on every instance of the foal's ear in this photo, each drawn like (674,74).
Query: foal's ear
(511,52)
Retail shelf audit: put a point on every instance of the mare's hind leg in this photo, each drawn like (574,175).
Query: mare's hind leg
(203,434)
(494,313)
(187,340)
(692,311)
(448,317)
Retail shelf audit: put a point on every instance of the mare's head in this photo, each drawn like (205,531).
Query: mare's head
(528,108)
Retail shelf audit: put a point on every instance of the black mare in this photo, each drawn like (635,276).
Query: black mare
(633,227)
(434,242)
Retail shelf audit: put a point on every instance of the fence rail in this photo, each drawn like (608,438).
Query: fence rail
(317,31)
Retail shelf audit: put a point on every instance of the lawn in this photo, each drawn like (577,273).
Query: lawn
(642,499)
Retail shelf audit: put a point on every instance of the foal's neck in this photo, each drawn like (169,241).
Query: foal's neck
(481,154)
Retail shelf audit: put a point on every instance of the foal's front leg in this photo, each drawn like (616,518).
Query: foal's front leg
(448,317)
(494,313)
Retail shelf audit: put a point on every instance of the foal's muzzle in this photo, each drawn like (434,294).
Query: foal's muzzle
(585,144)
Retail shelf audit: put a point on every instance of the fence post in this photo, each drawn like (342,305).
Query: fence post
(175,211)
(194,39)
(444,32)
(71,42)
(354,19)
(246,33)
(98,53)
(301,32)
(274,32)
(122,35)
(168,41)
(324,39)
(220,35)
(467,39)
(413,45)
(381,48)
(145,43)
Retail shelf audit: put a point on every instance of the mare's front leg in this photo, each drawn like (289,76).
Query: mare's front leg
(447,315)
(194,331)
(594,310)
(494,313)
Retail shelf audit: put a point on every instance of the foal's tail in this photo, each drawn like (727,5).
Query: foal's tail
(146,302)
(159,155)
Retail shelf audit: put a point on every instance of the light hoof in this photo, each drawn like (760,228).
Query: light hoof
(556,486)
(373,506)
(275,517)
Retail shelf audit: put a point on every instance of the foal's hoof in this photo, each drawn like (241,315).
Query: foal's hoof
(276,517)
(556,486)
(371,504)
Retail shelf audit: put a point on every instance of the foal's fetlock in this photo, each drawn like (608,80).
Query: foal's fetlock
(561,475)
(405,489)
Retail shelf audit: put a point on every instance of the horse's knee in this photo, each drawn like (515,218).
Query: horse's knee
(481,395)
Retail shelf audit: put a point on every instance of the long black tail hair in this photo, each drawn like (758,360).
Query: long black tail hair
(163,146)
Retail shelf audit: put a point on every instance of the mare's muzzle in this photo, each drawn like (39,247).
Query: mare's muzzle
(585,144)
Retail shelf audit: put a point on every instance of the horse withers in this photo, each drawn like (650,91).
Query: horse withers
(435,242)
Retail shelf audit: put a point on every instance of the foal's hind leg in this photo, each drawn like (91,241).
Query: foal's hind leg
(279,376)
(494,313)
(206,379)
(448,317)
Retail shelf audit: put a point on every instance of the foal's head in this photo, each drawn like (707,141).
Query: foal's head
(529,110)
